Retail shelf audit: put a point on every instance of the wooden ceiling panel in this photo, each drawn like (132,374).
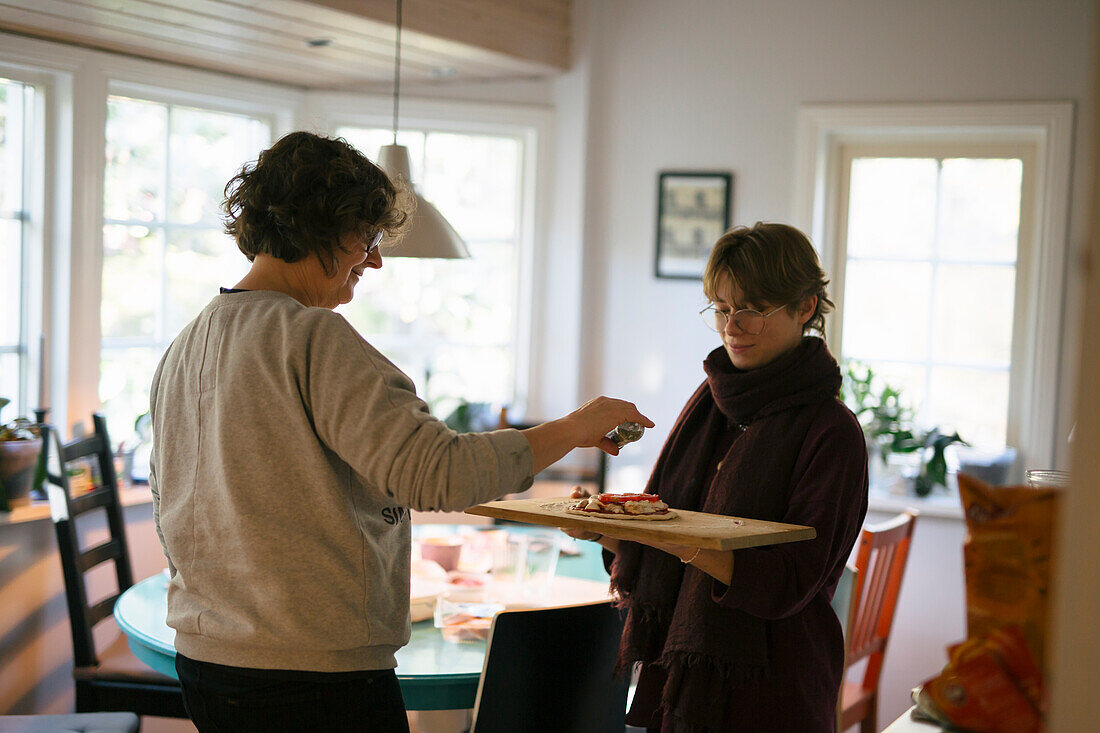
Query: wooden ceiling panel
(536,30)
(270,39)
(163,42)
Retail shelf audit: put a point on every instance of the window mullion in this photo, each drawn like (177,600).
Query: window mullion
(26,119)
(935,263)
(162,309)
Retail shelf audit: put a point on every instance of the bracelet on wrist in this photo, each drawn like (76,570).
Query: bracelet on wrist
(691,559)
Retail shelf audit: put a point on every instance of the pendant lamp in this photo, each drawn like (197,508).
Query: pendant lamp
(429,234)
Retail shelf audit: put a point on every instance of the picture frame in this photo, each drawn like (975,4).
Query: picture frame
(693,210)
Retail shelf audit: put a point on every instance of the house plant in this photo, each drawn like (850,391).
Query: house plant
(20,446)
(890,428)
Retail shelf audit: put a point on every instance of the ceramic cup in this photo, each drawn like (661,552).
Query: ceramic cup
(442,550)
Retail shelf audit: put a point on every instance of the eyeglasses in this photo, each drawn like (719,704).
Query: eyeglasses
(747,320)
(377,240)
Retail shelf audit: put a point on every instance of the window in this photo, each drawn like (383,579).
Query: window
(16,342)
(164,251)
(943,229)
(452,325)
(929,274)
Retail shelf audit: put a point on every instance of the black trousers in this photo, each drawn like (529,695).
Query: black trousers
(221,699)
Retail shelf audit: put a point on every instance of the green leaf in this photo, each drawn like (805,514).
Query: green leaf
(922,486)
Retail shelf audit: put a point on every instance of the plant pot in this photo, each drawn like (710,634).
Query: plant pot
(17,462)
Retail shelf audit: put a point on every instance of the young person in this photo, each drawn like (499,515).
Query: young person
(746,640)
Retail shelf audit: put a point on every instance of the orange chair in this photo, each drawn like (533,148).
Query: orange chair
(880,564)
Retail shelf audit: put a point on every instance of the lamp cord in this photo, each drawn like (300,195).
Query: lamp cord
(397,71)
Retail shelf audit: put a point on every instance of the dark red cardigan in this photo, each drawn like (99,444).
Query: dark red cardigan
(791,587)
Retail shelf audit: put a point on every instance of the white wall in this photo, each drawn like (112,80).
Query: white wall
(717,85)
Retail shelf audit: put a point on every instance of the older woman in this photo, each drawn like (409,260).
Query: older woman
(746,640)
(289,452)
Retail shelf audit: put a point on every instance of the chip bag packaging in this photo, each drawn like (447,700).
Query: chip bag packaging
(993,682)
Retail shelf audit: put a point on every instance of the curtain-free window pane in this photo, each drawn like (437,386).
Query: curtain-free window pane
(132,260)
(166,167)
(971,401)
(12,119)
(472,178)
(207,149)
(497,262)
(957,222)
(137,160)
(886,309)
(973,307)
(491,380)
(980,209)
(892,207)
(11,280)
(370,141)
(910,379)
(16,283)
(436,319)
(197,263)
(9,381)
(124,377)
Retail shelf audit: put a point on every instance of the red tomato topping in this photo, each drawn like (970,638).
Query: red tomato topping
(620,498)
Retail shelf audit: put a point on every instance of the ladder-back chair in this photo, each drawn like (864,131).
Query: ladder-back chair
(112,678)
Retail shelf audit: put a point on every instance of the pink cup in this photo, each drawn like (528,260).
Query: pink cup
(442,550)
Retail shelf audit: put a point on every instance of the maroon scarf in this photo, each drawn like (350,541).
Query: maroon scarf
(671,618)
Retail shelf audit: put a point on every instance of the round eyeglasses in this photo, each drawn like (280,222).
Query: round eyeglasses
(747,320)
(374,242)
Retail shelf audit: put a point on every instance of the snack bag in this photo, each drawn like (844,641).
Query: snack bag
(1008,555)
(990,685)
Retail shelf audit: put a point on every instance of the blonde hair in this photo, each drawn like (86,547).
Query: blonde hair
(772,264)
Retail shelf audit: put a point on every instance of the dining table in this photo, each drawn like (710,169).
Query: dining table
(436,674)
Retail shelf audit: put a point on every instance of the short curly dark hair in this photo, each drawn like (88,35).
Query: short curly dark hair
(307,191)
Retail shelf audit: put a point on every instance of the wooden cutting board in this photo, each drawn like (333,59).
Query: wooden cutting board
(694,529)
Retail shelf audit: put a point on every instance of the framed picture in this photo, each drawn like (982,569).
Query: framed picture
(693,210)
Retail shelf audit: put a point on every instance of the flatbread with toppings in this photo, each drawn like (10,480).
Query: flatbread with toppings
(645,507)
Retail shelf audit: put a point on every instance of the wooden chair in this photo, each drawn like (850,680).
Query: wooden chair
(109,679)
(880,564)
(550,669)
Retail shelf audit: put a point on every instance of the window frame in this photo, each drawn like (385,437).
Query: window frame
(168,100)
(1024,276)
(329,111)
(78,82)
(824,131)
(34,275)
(162,84)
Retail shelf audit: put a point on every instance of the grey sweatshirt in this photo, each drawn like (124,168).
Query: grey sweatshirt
(288,453)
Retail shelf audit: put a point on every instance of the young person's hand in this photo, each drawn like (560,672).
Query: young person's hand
(581,534)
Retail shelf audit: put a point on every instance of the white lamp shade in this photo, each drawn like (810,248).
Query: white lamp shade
(429,234)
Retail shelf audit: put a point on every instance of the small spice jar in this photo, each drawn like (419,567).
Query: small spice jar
(628,432)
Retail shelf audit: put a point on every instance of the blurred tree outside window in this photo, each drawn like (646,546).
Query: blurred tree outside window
(451,325)
(164,252)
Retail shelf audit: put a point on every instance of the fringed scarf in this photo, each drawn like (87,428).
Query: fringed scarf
(672,620)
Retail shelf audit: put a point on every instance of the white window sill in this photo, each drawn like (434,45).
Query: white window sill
(936,504)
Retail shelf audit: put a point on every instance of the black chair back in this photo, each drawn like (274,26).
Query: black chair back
(550,669)
(109,679)
(65,508)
